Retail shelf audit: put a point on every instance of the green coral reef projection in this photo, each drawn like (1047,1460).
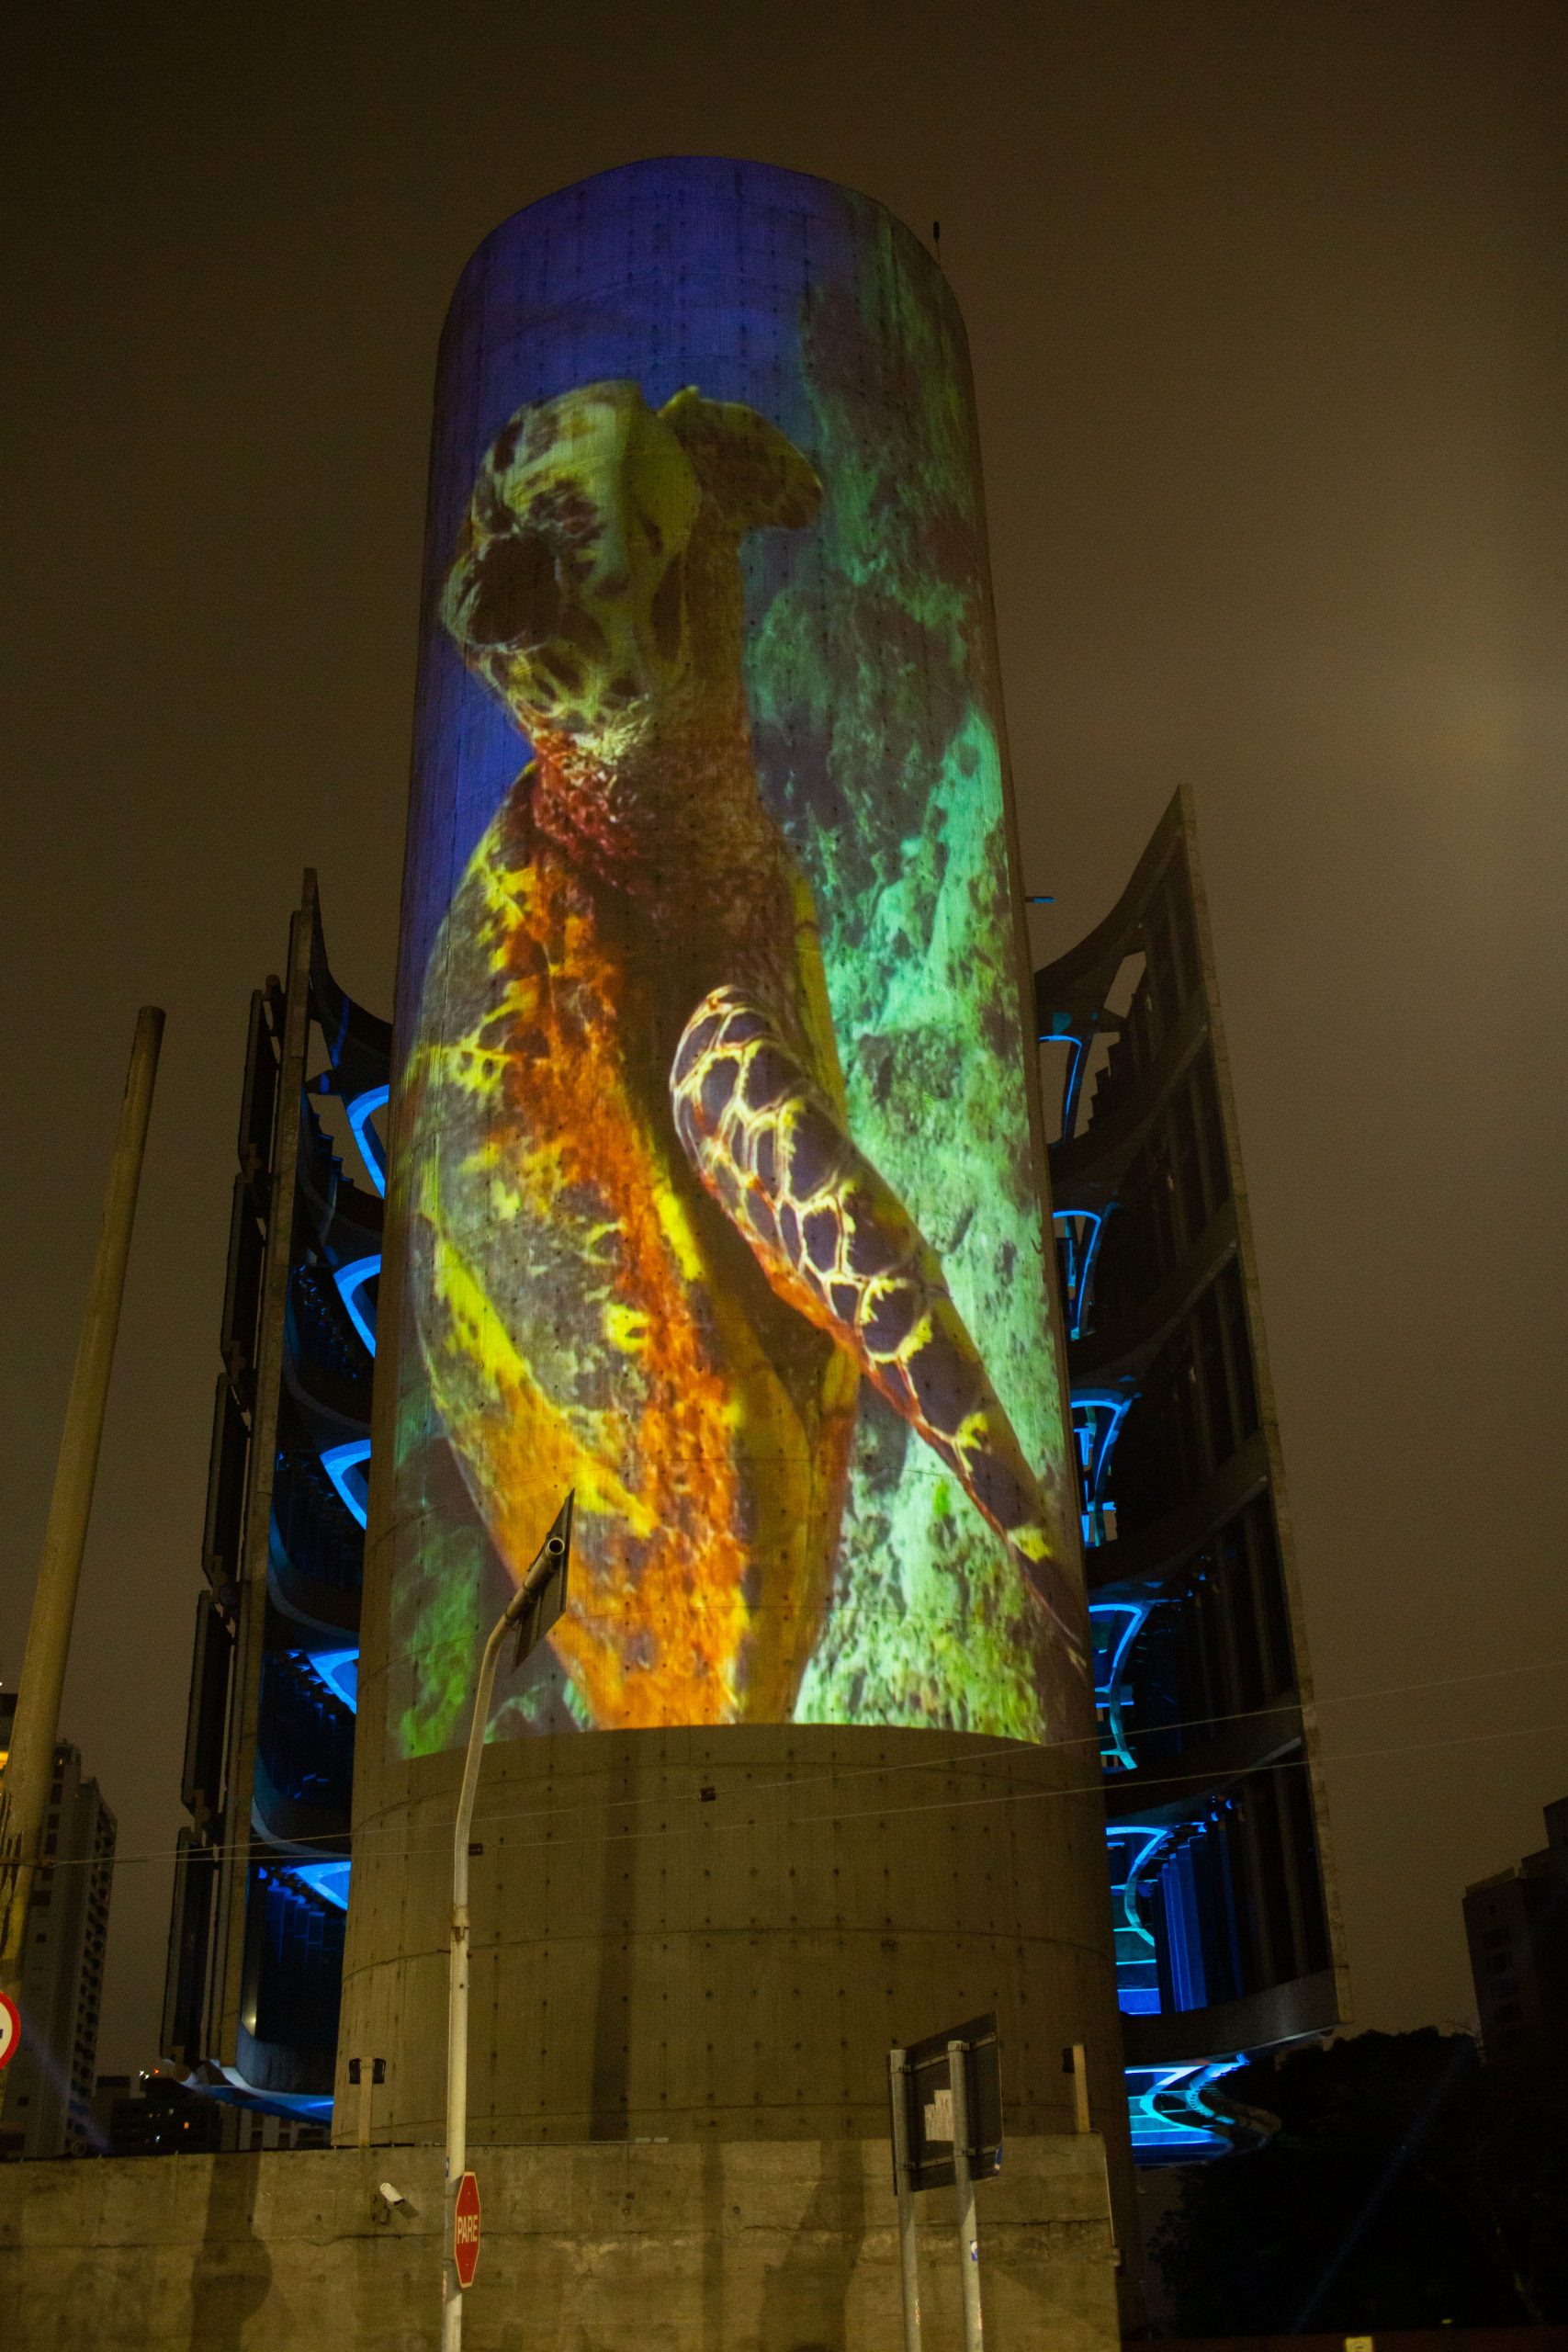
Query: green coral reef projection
(883,684)
(714,1157)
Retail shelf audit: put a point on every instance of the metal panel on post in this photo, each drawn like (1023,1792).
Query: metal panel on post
(929,2076)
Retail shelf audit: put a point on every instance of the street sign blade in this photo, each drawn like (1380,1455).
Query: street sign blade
(466,2231)
(549,1601)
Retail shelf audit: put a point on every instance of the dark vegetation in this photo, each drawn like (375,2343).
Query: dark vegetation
(1409,2185)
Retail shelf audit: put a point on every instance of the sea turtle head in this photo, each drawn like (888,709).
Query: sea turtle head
(596,578)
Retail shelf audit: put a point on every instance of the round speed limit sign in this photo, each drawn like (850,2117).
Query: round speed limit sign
(10,2029)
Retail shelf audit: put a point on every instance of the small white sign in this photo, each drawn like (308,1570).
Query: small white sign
(939,2116)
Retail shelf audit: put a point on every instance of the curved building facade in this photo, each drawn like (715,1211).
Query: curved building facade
(261,1878)
(718,1197)
(1224,1897)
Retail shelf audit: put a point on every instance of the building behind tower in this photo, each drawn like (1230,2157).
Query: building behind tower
(48,2098)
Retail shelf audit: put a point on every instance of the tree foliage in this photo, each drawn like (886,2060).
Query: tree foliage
(1408,2186)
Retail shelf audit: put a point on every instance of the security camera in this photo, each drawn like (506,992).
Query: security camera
(390,2195)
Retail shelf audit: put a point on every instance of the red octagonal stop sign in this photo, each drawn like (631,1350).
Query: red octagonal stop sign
(466,2231)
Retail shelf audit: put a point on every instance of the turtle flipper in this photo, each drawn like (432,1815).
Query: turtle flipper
(835,1240)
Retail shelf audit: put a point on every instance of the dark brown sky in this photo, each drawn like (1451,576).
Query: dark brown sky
(1267,313)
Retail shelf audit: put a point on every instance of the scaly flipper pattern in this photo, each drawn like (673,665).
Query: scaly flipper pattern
(835,1240)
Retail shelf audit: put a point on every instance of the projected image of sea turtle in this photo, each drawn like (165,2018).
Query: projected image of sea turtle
(650,1262)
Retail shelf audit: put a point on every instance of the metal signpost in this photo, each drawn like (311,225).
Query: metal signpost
(531,1611)
(903,2181)
(947,2129)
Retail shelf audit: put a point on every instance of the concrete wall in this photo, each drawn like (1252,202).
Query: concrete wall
(734,2246)
(647,1963)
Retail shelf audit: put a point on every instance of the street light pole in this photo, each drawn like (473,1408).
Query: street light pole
(964,2181)
(29,1769)
(532,1609)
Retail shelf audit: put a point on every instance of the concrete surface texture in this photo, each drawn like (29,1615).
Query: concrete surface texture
(732,2246)
(649,1963)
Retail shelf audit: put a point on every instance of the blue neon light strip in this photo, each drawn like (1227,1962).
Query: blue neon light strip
(1073,1223)
(242,2094)
(1097,1420)
(1112,1657)
(1070,1088)
(361,1110)
(351,1280)
(1085,1291)
(1131,1917)
(341,1462)
(1173,2138)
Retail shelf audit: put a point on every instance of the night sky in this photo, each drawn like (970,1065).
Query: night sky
(1268,317)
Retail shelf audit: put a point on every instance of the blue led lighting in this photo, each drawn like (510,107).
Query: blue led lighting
(1194,2130)
(1111,1658)
(1081,1254)
(338,1671)
(1097,1419)
(329,1880)
(1070,1088)
(1131,1917)
(235,2091)
(361,1110)
(348,1467)
(351,1280)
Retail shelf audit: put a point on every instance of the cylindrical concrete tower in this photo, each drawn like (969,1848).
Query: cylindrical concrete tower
(718,1197)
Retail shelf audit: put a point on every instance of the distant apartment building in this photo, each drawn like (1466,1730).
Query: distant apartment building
(152,2114)
(1516,1925)
(49,2095)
